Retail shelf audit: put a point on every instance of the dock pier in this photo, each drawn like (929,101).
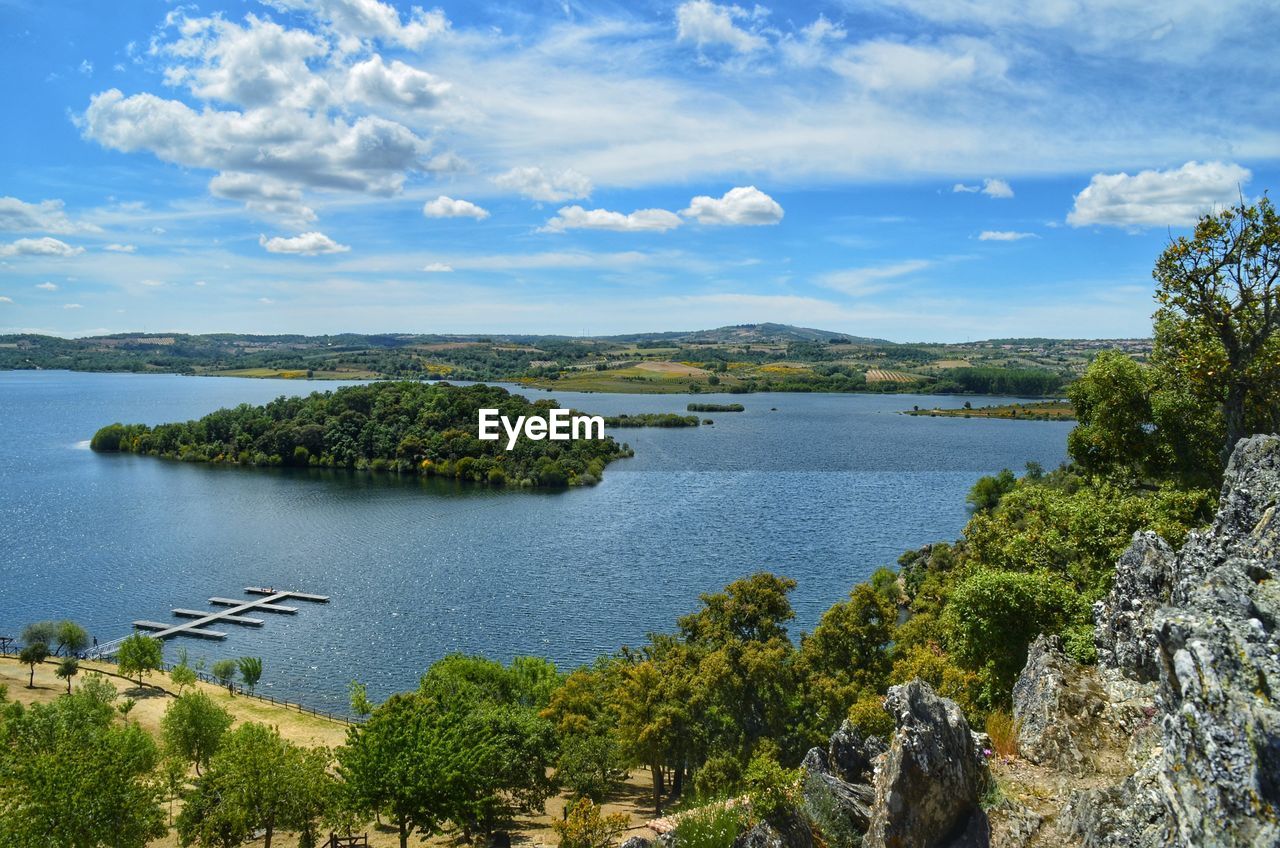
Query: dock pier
(197,625)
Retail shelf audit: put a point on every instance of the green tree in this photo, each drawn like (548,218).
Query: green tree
(360,703)
(1116,431)
(404,761)
(590,765)
(70,776)
(71,638)
(1216,328)
(139,654)
(987,492)
(32,654)
(182,676)
(193,728)
(68,668)
(846,655)
(256,781)
(250,671)
(224,671)
(40,631)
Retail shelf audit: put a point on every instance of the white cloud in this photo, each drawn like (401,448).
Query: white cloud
(44,246)
(437,268)
(1004,235)
(642,220)
(703,22)
(72,306)
(307,244)
(997,188)
(886,66)
(744,206)
(4,299)
(373,19)
(865,281)
(121,248)
(447,207)
(263,194)
(260,64)
(551,187)
(990,187)
(266,300)
(1176,197)
(47,216)
(396,84)
(46,286)
(369,154)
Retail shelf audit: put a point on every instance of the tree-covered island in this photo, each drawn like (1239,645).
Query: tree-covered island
(397,427)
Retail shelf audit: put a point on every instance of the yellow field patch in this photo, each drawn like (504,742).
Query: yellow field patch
(880,375)
(677,369)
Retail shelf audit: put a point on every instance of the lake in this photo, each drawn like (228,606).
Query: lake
(822,488)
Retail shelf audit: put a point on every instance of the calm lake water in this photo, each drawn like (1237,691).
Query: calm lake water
(824,489)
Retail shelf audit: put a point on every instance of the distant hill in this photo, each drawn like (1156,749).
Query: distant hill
(749,334)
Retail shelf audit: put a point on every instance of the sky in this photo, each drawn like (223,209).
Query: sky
(916,170)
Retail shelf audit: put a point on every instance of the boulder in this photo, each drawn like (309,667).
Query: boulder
(851,756)
(790,830)
(637,842)
(927,787)
(1059,708)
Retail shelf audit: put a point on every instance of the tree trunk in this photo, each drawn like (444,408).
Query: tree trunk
(31,681)
(658,789)
(1233,413)
(404,832)
(677,782)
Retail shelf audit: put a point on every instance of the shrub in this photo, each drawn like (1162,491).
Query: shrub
(869,718)
(713,826)
(585,827)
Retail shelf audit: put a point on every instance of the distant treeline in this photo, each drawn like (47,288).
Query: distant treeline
(651,419)
(403,427)
(715,407)
(998,381)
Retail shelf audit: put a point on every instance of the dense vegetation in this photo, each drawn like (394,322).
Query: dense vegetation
(406,428)
(651,419)
(716,407)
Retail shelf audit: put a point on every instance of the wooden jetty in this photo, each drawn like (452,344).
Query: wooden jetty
(264,600)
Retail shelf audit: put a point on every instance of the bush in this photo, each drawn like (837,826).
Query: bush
(585,827)
(869,718)
(713,826)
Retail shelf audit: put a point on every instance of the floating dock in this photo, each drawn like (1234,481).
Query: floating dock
(264,600)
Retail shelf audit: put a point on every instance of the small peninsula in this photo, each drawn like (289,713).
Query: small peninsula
(395,427)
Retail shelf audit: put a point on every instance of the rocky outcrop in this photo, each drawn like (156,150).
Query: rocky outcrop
(1059,708)
(927,787)
(789,830)
(1143,583)
(1213,781)
(852,756)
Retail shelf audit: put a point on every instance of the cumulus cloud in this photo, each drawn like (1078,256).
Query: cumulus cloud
(990,187)
(47,216)
(447,207)
(72,306)
(1175,197)
(1004,235)
(372,19)
(307,244)
(437,268)
(263,194)
(743,206)
(865,281)
(46,286)
(121,248)
(260,64)
(369,154)
(4,299)
(396,84)
(642,220)
(551,187)
(703,22)
(44,246)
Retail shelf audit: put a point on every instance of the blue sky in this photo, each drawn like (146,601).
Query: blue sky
(910,169)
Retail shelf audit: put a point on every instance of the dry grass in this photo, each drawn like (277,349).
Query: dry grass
(1003,731)
(880,375)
